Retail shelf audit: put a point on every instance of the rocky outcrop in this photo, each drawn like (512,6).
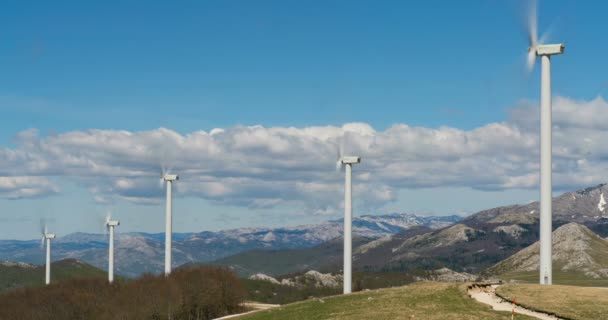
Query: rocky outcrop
(310,278)
(263,277)
(513,230)
(448,275)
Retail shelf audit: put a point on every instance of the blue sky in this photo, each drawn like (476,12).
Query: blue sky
(73,66)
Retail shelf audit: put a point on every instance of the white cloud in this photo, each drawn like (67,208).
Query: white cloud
(26,187)
(263,167)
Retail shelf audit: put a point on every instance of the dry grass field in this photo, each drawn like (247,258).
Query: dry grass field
(569,302)
(429,301)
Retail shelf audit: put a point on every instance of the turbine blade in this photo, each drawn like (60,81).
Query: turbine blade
(545,36)
(339,154)
(532,25)
(531,59)
(42,225)
(105,224)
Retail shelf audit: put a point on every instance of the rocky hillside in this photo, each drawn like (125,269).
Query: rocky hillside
(482,239)
(576,249)
(585,206)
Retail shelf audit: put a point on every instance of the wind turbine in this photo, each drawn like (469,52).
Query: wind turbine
(110,225)
(46,237)
(544,51)
(347,162)
(168,180)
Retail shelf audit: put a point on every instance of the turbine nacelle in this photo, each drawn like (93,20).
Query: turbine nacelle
(349,160)
(548,49)
(112,223)
(49,236)
(170,177)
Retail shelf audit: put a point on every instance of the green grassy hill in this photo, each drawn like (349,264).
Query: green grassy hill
(17,275)
(431,300)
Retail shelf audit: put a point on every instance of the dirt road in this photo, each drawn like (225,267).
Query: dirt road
(487,295)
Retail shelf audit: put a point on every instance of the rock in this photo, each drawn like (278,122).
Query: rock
(263,277)
(513,230)
(448,275)
(322,279)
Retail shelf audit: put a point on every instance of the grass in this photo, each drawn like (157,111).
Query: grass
(564,301)
(559,278)
(430,300)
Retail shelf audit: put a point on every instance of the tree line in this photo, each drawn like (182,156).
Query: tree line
(190,294)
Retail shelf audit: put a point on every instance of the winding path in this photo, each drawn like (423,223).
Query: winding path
(252,305)
(487,295)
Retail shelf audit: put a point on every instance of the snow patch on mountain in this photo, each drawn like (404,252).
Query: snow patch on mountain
(602,203)
(269,237)
(371,226)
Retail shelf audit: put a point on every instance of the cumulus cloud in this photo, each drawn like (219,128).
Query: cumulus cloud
(26,187)
(262,167)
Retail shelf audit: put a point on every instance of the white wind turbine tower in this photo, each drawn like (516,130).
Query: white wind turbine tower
(168,180)
(110,225)
(46,237)
(544,51)
(347,162)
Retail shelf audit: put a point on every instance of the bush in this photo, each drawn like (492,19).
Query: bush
(200,293)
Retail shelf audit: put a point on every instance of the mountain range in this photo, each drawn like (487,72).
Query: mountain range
(471,245)
(393,242)
(137,253)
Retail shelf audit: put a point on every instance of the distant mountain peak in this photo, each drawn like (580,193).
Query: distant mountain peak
(588,205)
(588,190)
